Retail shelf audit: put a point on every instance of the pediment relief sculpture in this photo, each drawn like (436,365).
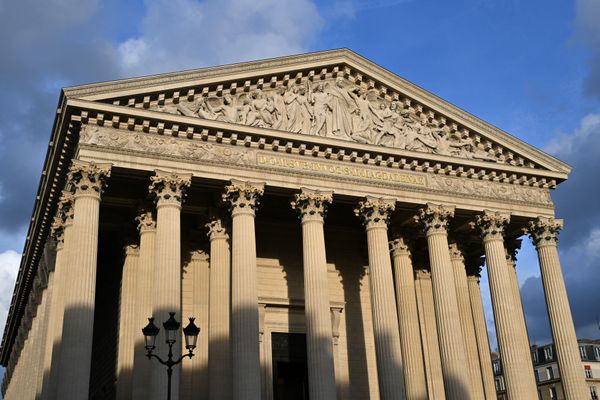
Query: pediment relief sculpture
(338,108)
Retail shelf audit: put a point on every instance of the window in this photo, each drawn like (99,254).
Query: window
(550,372)
(582,352)
(548,353)
(553,395)
(537,375)
(496,367)
(597,351)
(593,393)
(534,357)
(588,371)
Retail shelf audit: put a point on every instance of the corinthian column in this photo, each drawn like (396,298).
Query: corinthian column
(219,370)
(87,180)
(312,206)
(242,198)
(61,230)
(408,320)
(128,329)
(434,219)
(544,233)
(144,303)
(466,320)
(515,356)
(169,190)
(375,214)
(481,333)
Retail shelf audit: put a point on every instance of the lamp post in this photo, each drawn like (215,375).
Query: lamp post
(171,326)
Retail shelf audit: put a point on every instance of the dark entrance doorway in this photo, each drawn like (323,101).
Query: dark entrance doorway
(290,374)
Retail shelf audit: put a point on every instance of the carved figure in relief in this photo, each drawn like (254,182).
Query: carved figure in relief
(298,111)
(226,112)
(322,111)
(342,107)
(280,120)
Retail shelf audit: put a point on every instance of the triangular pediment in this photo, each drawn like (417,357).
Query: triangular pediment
(335,94)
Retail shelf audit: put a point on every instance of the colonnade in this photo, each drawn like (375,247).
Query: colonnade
(412,338)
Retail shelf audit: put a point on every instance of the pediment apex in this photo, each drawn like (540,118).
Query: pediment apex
(444,128)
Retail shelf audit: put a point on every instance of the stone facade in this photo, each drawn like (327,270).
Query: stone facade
(177,192)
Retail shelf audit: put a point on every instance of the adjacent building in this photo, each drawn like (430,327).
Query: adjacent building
(547,373)
(324,220)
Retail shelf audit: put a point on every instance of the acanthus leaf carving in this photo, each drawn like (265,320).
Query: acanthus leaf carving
(544,231)
(375,212)
(169,187)
(434,218)
(312,204)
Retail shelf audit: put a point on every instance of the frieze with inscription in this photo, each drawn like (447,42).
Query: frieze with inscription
(339,109)
(196,150)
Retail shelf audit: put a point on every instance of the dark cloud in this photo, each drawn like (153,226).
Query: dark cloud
(588,32)
(45,51)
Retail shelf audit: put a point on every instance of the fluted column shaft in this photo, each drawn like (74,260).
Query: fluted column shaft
(169,189)
(61,231)
(429,337)
(516,361)
(243,199)
(408,322)
(87,180)
(46,336)
(456,377)
(219,355)
(144,299)
(514,284)
(466,320)
(481,335)
(312,206)
(544,232)
(128,330)
(375,213)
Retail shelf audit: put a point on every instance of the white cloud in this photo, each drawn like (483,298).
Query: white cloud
(565,144)
(9,266)
(183,34)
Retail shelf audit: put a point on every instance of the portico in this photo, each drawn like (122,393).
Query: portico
(375,261)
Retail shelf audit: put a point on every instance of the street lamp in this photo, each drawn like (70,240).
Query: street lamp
(171,326)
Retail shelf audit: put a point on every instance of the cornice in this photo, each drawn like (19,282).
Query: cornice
(343,58)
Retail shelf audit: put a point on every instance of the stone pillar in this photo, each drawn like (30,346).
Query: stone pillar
(375,213)
(312,207)
(481,334)
(544,233)
(466,320)
(199,266)
(128,329)
(45,351)
(61,231)
(408,320)
(87,180)
(429,336)
(242,198)
(169,190)
(515,356)
(511,254)
(142,367)
(219,368)
(434,219)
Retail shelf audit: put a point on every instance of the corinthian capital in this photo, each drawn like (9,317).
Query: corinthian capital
(544,231)
(375,212)
(312,204)
(216,229)
(399,246)
(243,197)
(491,224)
(456,252)
(434,218)
(169,187)
(88,178)
(146,221)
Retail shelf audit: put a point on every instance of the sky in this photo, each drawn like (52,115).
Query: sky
(529,67)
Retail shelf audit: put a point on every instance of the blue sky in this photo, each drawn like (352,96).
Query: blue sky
(529,67)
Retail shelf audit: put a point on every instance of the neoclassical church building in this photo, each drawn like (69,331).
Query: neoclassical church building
(323,220)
